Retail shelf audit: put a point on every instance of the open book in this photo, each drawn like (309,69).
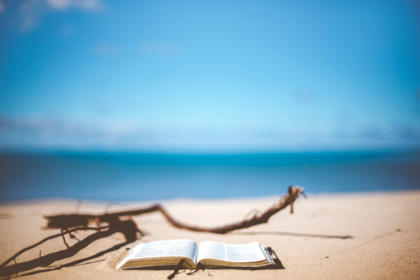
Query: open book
(191,254)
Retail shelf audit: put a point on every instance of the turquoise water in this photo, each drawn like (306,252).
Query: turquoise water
(140,176)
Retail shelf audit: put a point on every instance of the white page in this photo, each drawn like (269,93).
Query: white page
(163,248)
(212,250)
(251,252)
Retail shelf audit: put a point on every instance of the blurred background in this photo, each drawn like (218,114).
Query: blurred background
(150,100)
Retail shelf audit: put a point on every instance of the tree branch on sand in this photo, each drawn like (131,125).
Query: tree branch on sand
(67,221)
(119,222)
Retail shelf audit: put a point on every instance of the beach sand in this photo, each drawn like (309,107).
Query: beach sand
(343,236)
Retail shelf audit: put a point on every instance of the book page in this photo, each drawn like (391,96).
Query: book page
(164,248)
(251,252)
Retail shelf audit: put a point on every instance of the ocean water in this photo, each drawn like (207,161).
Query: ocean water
(108,176)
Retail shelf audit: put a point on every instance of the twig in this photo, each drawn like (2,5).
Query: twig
(79,202)
(175,272)
(63,232)
(286,200)
(72,220)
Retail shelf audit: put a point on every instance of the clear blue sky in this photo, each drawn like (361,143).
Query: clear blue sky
(209,75)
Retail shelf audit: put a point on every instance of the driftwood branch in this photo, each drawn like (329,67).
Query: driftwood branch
(286,200)
(120,222)
(76,220)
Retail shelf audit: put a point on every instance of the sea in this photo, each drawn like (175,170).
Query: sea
(136,176)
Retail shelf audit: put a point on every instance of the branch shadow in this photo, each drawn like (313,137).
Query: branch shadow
(295,234)
(79,262)
(125,227)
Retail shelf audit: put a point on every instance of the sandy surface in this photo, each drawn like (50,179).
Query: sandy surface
(313,243)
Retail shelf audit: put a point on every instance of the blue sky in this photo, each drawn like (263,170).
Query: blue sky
(209,75)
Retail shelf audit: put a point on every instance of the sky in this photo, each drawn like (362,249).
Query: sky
(209,75)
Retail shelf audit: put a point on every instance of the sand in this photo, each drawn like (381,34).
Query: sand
(359,236)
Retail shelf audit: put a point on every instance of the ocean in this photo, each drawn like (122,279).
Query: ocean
(123,176)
